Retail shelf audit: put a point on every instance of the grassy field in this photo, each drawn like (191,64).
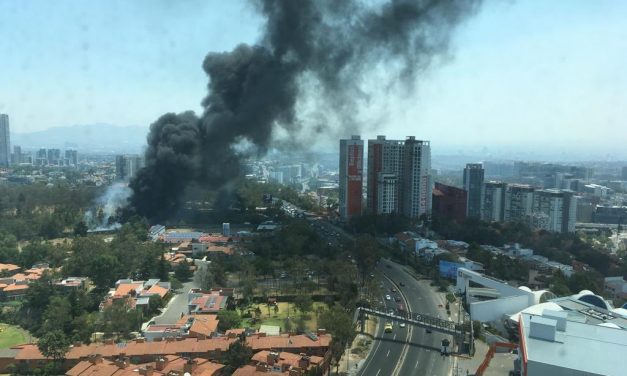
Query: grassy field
(278,319)
(12,335)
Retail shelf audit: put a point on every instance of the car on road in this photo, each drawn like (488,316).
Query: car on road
(388,327)
(388,297)
(393,289)
(397,298)
(401,284)
(428,330)
(402,325)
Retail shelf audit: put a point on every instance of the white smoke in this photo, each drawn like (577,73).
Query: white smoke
(103,215)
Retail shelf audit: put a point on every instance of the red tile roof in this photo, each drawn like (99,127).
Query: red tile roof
(156,290)
(134,348)
(124,289)
(8,268)
(14,287)
(286,341)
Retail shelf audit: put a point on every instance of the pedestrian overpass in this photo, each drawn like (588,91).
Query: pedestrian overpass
(461,332)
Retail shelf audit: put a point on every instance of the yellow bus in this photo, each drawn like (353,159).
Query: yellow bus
(388,327)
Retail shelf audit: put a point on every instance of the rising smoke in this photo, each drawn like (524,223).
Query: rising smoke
(103,216)
(324,46)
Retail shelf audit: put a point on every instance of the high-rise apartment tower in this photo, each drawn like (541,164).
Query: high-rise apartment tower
(5,141)
(385,162)
(351,177)
(416,182)
(473,184)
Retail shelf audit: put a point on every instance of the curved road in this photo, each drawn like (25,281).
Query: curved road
(408,351)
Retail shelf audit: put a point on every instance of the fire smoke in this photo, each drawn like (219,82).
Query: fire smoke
(326,46)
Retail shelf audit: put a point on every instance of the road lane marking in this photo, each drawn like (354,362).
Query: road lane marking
(388,354)
(378,372)
(416,366)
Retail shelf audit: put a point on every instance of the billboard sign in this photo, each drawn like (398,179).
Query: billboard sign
(449,269)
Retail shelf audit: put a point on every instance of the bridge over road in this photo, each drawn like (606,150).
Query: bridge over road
(461,332)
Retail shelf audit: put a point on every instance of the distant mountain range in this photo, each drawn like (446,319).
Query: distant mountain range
(88,138)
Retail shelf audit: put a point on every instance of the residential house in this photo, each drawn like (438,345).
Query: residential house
(208,302)
(168,365)
(275,363)
(138,351)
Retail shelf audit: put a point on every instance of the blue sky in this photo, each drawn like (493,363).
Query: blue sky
(523,77)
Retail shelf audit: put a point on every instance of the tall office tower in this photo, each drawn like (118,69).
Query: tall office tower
(41,157)
(120,167)
(351,177)
(72,157)
(493,201)
(5,141)
(126,166)
(518,203)
(16,157)
(385,165)
(557,209)
(54,155)
(416,182)
(473,184)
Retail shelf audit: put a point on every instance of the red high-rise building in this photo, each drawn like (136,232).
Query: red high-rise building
(449,202)
(351,177)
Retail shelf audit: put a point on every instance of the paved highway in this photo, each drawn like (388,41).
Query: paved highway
(387,347)
(408,351)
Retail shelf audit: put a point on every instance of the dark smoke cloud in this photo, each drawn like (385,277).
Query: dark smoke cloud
(329,46)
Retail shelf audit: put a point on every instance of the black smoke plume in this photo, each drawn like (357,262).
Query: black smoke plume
(329,46)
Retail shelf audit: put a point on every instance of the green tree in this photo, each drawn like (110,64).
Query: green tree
(163,269)
(54,345)
(238,354)
(228,320)
(339,323)
(80,229)
(182,271)
(303,303)
(58,315)
(83,327)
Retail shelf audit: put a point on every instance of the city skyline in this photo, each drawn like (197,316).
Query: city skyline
(462,105)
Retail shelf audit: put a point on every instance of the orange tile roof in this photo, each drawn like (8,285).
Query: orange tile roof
(8,267)
(223,249)
(252,371)
(203,367)
(15,287)
(19,277)
(285,341)
(286,358)
(134,348)
(202,325)
(125,289)
(156,289)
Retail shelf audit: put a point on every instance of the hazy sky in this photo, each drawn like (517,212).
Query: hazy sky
(548,76)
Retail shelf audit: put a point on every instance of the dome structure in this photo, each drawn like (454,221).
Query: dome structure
(589,297)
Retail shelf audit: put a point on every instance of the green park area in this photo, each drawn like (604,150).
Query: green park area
(12,335)
(265,314)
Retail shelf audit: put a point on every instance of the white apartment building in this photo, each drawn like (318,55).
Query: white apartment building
(5,141)
(417,183)
(385,167)
(558,209)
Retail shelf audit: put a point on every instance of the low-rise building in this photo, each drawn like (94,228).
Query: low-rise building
(168,365)
(136,293)
(274,362)
(208,301)
(616,287)
(553,343)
